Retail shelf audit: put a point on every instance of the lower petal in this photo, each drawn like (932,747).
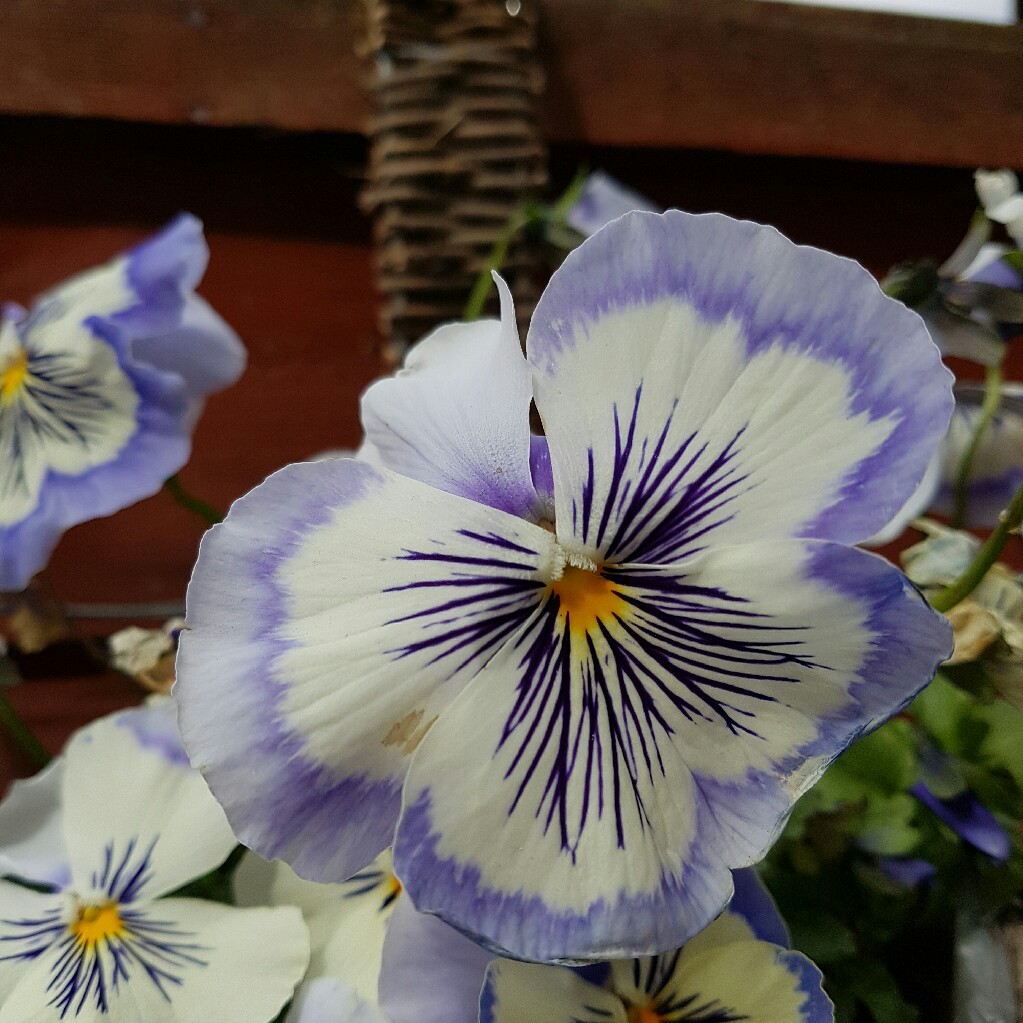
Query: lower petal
(587,795)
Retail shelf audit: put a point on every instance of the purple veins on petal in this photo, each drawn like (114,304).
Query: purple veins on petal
(663,656)
(664,498)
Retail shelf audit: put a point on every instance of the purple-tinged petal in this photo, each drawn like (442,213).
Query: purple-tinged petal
(202,349)
(88,431)
(753,902)
(997,470)
(908,871)
(970,819)
(702,380)
(541,471)
(333,616)
(31,837)
(457,415)
(990,268)
(88,424)
(430,973)
(626,758)
(602,200)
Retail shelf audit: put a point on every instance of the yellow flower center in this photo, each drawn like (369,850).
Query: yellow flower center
(98,923)
(585,598)
(643,1014)
(13,377)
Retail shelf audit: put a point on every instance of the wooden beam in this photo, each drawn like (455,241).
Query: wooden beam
(287,64)
(732,74)
(786,79)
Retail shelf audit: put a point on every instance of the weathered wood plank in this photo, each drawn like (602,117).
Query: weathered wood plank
(733,74)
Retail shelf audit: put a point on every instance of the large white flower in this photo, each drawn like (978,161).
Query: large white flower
(116,823)
(576,678)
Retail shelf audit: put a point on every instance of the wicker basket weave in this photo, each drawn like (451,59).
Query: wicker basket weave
(455,152)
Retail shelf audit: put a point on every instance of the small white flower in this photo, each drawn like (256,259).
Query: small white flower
(116,823)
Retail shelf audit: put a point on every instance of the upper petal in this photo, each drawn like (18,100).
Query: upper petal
(333,615)
(138,820)
(700,377)
(531,993)
(456,416)
(723,975)
(201,348)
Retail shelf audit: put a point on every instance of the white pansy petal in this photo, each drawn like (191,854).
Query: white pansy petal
(347,921)
(328,1000)
(430,972)
(31,835)
(731,980)
(333,616)
(532,993)
(626,758)
(170,961)
(457,415)
(138,820)
(29,923)
(703,380)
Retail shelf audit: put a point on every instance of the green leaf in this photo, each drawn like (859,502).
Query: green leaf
(821,936)
(947,713)
(871,983)
(884,761)
(888,828)
(1002,745)
(1014,260)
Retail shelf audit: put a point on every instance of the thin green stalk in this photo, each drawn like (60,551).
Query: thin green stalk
(992,399)
(22,734)
(205,511)
(1008,523)
(498,254)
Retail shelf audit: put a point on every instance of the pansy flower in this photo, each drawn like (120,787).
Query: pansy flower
(101,383)
(576,678)
(739,968)
(116,823)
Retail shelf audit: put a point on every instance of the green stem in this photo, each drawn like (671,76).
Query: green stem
(22,734)
(992,399)
(1008,523)
(205,511)
(498,254)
